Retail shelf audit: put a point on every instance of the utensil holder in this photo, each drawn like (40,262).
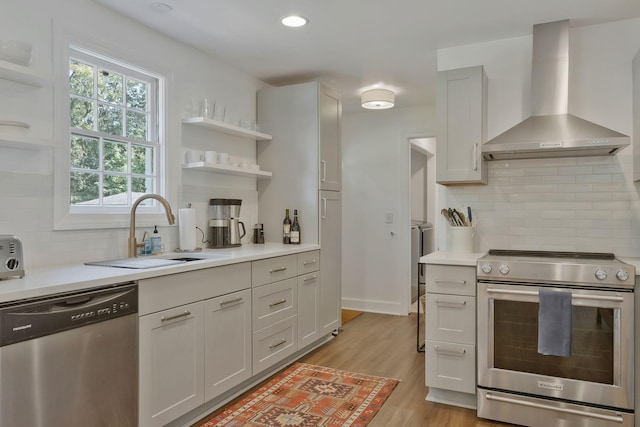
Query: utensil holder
(460,239)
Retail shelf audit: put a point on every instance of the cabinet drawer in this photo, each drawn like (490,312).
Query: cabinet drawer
(448,279)
(274,343)
(274,302)
(308,262)
(450,366)
(451,318)
(273,269)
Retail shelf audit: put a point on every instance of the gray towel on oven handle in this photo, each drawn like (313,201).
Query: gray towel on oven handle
(554,323)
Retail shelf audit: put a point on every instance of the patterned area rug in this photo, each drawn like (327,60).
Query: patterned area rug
(308,395)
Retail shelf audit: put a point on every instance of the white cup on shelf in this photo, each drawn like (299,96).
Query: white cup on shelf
(223,158)
(211,156)
(193,156)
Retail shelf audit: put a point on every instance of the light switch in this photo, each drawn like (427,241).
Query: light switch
(388,217)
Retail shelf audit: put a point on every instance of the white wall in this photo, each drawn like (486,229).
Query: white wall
(27,195)
(376,178)
(419,182)
(584,204)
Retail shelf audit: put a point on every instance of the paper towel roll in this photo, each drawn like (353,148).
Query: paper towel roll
(187,228)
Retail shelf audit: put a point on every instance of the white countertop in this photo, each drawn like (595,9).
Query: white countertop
(451,258)
(633,261)
(73,277)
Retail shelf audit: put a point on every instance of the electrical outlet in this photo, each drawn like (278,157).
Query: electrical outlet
(388,217)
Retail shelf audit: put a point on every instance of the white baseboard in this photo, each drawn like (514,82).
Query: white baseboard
(373,306)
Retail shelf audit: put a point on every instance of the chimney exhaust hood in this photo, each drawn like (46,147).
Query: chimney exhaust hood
(551,131)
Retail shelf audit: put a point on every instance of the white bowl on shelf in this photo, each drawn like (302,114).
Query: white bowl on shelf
(10,127)
(17,52)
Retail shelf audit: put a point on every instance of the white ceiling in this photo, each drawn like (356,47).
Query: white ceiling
(354,45)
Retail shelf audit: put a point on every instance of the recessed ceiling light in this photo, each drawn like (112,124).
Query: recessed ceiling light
(294,21)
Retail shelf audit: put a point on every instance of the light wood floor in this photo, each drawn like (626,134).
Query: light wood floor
(384,345)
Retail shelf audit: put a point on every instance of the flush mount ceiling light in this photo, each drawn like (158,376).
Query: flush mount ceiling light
(294,21)
(378,99)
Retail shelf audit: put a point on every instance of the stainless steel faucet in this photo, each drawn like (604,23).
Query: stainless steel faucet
(133,244)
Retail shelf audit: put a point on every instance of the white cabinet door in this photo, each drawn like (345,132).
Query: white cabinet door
(450,366)
(330,144)
(451,318)
(308,306)
(227,352)
(461,104)
(330,261)
(171,363)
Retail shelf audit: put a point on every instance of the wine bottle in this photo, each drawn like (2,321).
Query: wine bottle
(286,228)
(295,229)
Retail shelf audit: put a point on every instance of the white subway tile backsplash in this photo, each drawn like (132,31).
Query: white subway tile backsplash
(570,204)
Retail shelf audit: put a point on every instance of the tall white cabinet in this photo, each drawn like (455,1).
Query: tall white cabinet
(305,123)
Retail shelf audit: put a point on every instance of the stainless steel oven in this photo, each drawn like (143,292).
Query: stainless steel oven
(591,386)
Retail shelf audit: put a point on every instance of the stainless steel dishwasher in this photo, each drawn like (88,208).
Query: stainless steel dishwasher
(70,360)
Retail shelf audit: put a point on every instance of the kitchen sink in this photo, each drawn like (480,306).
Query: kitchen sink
(142,263)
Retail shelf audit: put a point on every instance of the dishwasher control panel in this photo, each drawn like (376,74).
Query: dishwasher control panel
(25,320)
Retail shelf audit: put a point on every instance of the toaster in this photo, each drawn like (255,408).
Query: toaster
(11,262)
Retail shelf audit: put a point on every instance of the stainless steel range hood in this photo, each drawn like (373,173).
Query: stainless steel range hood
(551,131)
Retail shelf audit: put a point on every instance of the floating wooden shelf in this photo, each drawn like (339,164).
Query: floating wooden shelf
(230,170)
(227,128)
(25,142)
(25,75)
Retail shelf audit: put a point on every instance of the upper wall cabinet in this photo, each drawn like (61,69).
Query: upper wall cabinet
(462,126)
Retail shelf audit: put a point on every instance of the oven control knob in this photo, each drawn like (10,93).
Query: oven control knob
(622,275)
(504,269)
(601,274)
(486,268)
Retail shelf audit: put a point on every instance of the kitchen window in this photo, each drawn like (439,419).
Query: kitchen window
(113,133)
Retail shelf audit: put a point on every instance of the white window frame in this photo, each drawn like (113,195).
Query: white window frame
(67,217)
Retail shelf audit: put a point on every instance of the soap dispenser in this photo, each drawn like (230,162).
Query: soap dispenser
(156,242)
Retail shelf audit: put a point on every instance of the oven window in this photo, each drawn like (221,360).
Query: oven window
(516,343)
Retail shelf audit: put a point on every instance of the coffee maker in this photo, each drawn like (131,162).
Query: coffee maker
(224,225)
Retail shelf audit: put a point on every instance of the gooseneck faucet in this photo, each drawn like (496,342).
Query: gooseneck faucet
(133,244)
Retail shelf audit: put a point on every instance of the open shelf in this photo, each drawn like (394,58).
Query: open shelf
(25,75)
(25,142)
(230,170)
(227,128)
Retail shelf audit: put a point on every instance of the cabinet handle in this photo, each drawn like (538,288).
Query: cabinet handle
(309,262)
(453,304)
(278,269)
(475,157)
(309,278)
(231,301)
(324,171)
(454,282)
(282,341)
(177,316)
(324,208)
(458,353)
(273,304)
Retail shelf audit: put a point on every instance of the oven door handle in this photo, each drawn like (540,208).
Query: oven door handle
(576,296)
(617,418)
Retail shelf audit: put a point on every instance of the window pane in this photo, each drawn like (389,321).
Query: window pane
(81,78)
(85,152)
(137,94)
(109,119)
(142,159)
(81,114)
(115,156)
(109,87)
(137,125)
(115,190)
(142,186)
(84,188)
